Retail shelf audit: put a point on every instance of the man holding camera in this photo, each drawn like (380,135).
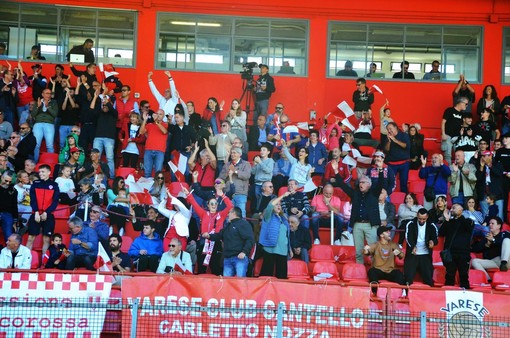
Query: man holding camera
(264,87)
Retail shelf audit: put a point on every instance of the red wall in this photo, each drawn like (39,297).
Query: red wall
(410,101)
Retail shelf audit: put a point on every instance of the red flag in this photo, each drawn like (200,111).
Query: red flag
(103,262)
(178,165)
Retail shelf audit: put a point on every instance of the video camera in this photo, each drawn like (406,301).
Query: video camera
(247,72)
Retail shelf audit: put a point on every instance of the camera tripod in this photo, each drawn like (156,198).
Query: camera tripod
(248,96)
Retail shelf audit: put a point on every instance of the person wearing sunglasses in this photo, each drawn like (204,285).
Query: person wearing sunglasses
(9,205)
(223,142)
(211,222)
(102,229)
(175,261)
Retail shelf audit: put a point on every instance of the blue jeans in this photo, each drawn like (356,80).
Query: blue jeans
(261,107)
(107,144)
(459,199)
(315,222)
(303,255)
(63,131)
(23,113)
(46,130)
(152,158)
(234,266)
(240,202)
(6,221)
(403,172)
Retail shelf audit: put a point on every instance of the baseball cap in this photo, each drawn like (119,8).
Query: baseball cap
(74,150)
(379,153)
(382,229)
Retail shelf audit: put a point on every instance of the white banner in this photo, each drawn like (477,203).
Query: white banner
(52,305)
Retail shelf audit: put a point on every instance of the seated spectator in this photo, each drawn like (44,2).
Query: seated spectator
(388,174)
(322,205)
(147,249)
(347,173)
(205,166)
(318,154)
(363,134)
(436,175)
(492,209)
(138,215)
(132,141)
(15,255)
(158,189)
(438,214)
(472,213)
(387,212)
(258,134)
(383,254)
(221,189)
(281,172)
(300,240)
(406,212)
(301,171)
(261,203)
(26,143)
(462,179)
(56,255)
(84,245)
(95,166)
(121,262)
(495,248)
(71,141)
(118,204)
(13,158)
(175,256)
(95,222)
(86,194)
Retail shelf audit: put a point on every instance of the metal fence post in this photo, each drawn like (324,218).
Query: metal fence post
(279,321)
(423,324)
(134,317)
(332,228)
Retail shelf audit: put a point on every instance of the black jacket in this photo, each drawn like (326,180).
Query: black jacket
(26,147)
(494,250)
(79,49)
(300,238)
(371,198)
(412,235)
(253,138)
(237,237)
(9,198)
(181,138)
(460,240)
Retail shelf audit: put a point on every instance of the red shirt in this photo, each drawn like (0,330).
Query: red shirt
(206,175)
(156,140)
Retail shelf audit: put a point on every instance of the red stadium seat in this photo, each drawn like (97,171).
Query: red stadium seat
(413,176)
(297,269)
(36,260)
(48,158)
(346,254)
(326,267)
(66,239)
(397,197)
(62,211)
(438,276)
(282,190)
(322,253)
(354,272)
(252,154)
(478,280)
(126,243)
(421,198)
(124,172)
(417,186)
(501,281)
(368,151)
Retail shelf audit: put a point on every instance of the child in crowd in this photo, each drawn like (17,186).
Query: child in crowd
(121,208)
(55,256)
(66,186)
(99,186)
(492,212)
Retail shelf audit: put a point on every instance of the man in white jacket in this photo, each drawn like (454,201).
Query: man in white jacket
(169,99)
(15,255)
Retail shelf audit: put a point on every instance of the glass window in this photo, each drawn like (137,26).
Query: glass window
(225,44)
(457,49)
(506,55)
(57,29)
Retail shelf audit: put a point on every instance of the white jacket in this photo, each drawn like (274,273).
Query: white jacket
(23,259)
(181,219)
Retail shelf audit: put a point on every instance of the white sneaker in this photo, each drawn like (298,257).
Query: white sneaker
(317,241)
(121,232)
(110,230)
(337,242)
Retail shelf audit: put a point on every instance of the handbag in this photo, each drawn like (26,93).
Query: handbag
(446,254)
(429,192)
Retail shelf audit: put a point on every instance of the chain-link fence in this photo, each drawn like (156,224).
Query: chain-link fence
(138,318)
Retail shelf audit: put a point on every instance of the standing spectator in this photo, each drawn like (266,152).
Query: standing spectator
(417,150)
(489,100)
(85,49)
(23,189)
(464,89)
(238,240)
(262,169)
(258,134)
(299,238)
(175,255)
(132,141)
(238,172)
(181,137)
(147,249)
(9,205)
(105,130)
(274,237)
(195,120)
(505,112)
(436,177)
(451,126)
(38,81)
(489,181)
(44,115)
(277,135)
(457,231)
(125,105)
(95,166)
(281,172)
(26,143)
(266,195)
(421,237)
(385,117)
(237,118)
(156,140)
(404,72)
(468,137)
(8,95)
(495,248)
(212,222)
(318,155)
(300,171)
(178,219)
(322,206)
(486,128)
(365,217)
(362,98)
(397,151)
(24,88)
(44,196)
(384,252)
(169,99)
(462,179)
(406,212)
(205,166)
(223,142)
(212,114)
(264,87)
(503,157)
(15,255)
(379,165)
(84,245)
(69,115)
(438,213)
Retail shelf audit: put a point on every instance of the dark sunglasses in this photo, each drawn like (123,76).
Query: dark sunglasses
(218,182)
(172,245)
(95,211)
